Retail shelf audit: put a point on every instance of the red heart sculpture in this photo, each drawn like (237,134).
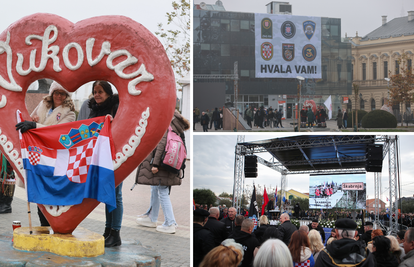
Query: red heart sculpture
(112,48)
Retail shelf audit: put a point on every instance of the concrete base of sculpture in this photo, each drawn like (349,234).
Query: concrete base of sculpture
(130,253)
(81,243)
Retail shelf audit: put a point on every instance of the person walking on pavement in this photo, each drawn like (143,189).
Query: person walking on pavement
(339,119)
(151,173)
(216,118)
(345,118)
(204,121)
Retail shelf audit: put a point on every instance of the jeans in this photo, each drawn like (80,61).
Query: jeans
(345,123)
(114,218)
(160,193)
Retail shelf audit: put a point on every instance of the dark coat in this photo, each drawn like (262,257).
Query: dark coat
(216,115)
(319,229)
(345,250)
(218,229)
(385,260)
(109,106)
(230,224)
(144,174)
(366,236)
(203,242)
(286,230)
(204,119)
(249,243)
(260,231)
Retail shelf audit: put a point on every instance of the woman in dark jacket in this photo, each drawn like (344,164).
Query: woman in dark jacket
(150,173)
(103,103)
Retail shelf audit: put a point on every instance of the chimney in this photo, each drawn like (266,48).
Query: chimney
(410,15)
(384,20)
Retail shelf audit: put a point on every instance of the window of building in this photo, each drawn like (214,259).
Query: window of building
(362,104)
(244,73)
(244,25)
(225,25)
(382,102)
(339,68)
(385,69)
(372,104)
(350,68)
(205,46)
(374,70)
(266,100)
(397,67)
(334,30)
(225,50)
(364,71)
(235,25)
(409,62)
(324,72)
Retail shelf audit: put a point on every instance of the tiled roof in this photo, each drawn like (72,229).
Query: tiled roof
(394,28)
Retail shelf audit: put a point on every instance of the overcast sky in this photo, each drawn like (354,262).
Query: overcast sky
(214,167)
(363,16)
(148,13)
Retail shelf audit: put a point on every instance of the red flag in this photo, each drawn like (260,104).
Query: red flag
(266,200)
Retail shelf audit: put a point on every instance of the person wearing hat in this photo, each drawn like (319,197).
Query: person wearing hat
(314,225)
(55,108)
(345,251)
(203,239)
(367,232)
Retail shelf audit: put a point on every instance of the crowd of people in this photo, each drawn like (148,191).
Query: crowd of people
(208,119)
(234,241)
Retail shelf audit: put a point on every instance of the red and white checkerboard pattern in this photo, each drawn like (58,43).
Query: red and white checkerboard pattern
(79,161)
(303,264)
(267,51)
(34,158)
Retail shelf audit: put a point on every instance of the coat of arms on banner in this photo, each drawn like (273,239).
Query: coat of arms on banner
(288,29)
(309,52)
(267,29)
(309,28)
(288,51)
(266,51)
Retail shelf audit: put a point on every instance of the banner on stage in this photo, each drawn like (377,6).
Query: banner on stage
(347,191)
(288,46)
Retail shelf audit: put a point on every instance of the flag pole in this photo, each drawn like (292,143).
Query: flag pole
(19,119)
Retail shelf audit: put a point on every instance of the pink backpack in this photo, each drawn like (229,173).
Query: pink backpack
(175,154)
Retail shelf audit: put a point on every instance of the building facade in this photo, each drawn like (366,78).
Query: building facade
(375,57)
(222,38)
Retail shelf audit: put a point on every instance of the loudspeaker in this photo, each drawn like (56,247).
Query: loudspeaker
(373,162)
(250,166)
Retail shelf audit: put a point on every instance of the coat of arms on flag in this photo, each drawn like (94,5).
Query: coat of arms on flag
(62,170)
(34,154)
(267,51)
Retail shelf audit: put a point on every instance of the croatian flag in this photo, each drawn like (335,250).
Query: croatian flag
(69,162)
(276,197)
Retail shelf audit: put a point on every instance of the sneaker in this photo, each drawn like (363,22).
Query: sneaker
(146,221)
(166,229)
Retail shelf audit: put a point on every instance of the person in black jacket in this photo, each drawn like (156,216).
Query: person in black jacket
(368,230)
(286,229)
(103,103)
(217,228)
(216,118)
(247,240)
(345,250)
(203,239)
(315,226)
(204,121)
(229,221)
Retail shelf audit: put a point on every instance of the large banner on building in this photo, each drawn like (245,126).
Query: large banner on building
(288,46)
(347,191)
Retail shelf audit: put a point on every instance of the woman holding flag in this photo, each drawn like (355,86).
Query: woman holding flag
(105,102)
(56,108)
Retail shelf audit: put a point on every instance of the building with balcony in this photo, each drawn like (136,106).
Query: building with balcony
(375,57)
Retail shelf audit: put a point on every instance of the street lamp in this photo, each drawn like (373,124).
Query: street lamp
(300,79)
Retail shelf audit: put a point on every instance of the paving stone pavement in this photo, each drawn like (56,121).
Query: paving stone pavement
(174,248)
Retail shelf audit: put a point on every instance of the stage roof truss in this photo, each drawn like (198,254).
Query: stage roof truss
(313,153)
